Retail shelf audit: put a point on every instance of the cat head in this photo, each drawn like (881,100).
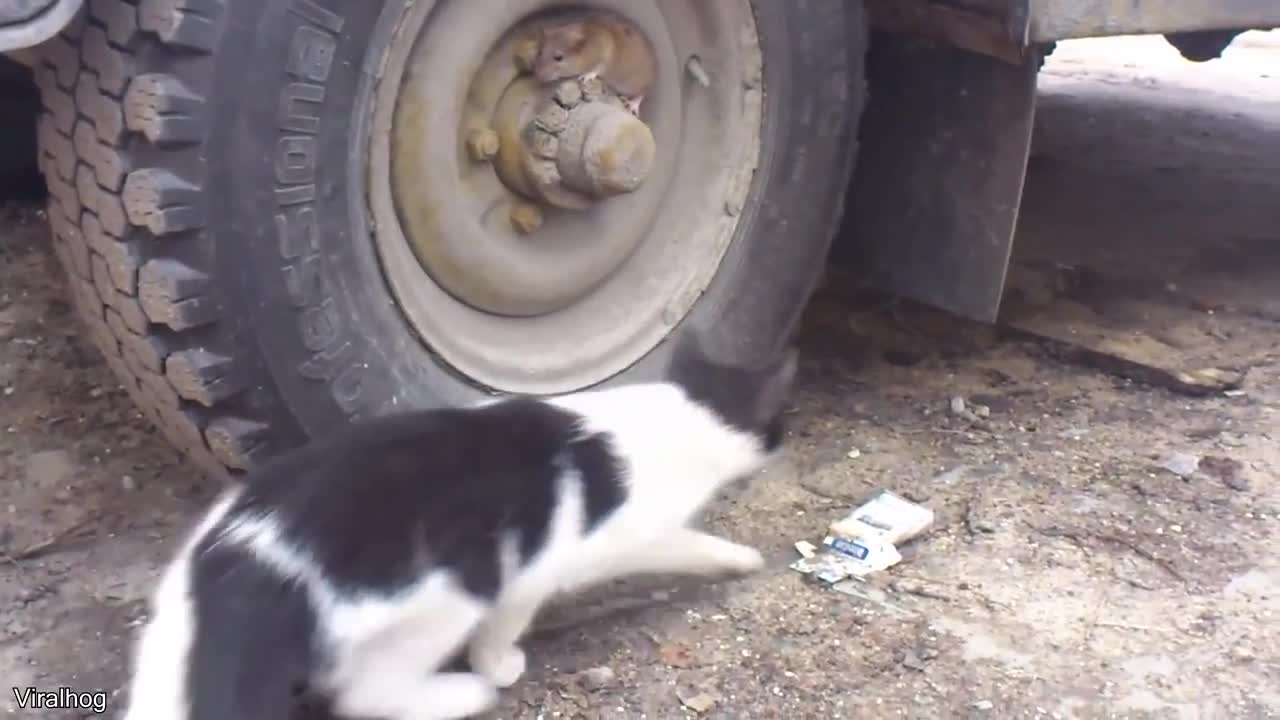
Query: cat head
(751,400)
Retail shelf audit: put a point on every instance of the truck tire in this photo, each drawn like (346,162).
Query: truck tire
(245,314)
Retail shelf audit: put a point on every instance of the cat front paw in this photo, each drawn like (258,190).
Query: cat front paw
(503,668)
(743,560)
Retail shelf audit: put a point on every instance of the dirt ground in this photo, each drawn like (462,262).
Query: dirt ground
(1070,574)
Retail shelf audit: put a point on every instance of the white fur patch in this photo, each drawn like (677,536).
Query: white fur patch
(678,454)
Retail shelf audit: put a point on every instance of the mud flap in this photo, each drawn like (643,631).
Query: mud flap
(943,153)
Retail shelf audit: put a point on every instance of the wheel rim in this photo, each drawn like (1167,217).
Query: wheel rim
(549,289)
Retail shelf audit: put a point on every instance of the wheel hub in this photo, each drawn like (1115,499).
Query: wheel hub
(540,237)
(569,148)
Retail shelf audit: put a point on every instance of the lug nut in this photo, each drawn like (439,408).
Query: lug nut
(543,144)
(568,94)
(482,144)
(606,151)
(552,118)
(526,218)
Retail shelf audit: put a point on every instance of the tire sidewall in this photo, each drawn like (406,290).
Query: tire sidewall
(293,232)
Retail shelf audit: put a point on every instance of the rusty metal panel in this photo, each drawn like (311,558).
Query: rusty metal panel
(1064,19)
(992,27)
(943,152)
(994,8)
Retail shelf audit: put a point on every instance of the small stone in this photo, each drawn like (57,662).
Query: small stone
(1237,483)
(807,550)
(49,469)
(983,705)
(912,661)
(982,411)
(957,405)
(128,483)
(699,701)
(598,678)
(854,454)
(1231,440)
(8,391)
(1228,471)
(1180,463)
(675,654)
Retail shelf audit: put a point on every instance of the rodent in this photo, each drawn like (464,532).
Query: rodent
(599,45)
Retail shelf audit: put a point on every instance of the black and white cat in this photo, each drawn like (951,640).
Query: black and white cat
(357,567)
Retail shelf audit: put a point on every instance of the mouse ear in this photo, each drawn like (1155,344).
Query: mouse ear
(572,33)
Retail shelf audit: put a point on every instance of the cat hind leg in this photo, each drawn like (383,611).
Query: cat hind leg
(503,666)
(389,669)
(405,696)
(493,650)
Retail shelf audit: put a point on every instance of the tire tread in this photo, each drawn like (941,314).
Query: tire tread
(123,91)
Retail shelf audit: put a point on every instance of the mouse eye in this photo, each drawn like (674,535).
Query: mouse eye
(558,56)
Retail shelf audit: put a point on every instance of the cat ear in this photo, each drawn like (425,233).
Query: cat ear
(774,390)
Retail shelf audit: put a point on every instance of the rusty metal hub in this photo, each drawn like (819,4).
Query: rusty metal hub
(541,238)
(571,147)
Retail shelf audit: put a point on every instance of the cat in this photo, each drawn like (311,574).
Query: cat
(359,565)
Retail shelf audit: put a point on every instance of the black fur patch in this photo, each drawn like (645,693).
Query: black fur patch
(381,503)
(602,481)
(775,433)
(253,649)
(728,391)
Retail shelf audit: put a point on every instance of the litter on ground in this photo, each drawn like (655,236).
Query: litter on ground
(864,541)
